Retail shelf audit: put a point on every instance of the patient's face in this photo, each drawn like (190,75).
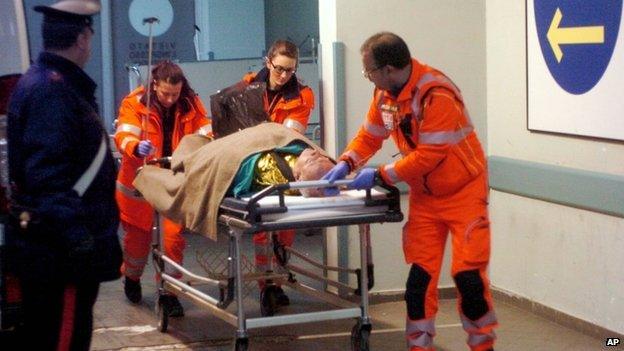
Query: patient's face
(311,165)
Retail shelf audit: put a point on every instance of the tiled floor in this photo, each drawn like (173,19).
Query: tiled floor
(120,325)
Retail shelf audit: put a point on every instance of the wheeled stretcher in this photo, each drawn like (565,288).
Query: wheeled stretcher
(270,210)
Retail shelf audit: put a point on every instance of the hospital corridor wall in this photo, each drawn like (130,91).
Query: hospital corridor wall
(558,224)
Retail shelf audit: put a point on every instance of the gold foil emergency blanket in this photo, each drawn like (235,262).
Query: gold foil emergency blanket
(267,172)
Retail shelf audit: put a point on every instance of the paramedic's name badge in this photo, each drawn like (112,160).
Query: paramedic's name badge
(388,114)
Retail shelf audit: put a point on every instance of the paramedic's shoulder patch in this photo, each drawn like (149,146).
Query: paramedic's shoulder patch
(55,76)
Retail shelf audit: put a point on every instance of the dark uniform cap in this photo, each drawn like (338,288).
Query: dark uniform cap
(77,12)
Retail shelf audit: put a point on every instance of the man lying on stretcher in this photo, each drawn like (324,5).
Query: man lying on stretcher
(294,162)
(203,172)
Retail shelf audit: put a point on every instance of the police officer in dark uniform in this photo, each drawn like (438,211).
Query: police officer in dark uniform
(64,234)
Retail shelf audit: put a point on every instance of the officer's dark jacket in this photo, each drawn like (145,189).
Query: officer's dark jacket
(54,134)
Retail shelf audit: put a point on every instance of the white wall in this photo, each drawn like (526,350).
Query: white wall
(13,42)
(567,259)
(222,33)
(447,34)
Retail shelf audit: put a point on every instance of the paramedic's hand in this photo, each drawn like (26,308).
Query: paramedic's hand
(145,148)
(365,179)
(339,171)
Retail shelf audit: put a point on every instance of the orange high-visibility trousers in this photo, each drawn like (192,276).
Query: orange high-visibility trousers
(463,214)
(263,250)
(137,244)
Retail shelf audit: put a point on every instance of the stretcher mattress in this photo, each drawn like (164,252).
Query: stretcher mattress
(275,212)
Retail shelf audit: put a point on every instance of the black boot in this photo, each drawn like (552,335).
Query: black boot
(132,288)
(281,297)
(172,305)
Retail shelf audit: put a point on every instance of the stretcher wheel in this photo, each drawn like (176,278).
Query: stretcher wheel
(268,301)
(241,344)
(360,335)
(163,315)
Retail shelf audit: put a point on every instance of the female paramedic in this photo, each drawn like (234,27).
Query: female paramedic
(289,102)
(175,111)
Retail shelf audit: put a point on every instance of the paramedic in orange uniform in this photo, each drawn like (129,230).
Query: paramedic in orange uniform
(289,102)
(175,111)
(443,163)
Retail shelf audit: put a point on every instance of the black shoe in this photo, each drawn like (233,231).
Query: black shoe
(132,288)
(281,297)
(172,306)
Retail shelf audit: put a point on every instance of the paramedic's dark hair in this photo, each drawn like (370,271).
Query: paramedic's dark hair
(387,49)
(283,47)
(60,36)
(171,73)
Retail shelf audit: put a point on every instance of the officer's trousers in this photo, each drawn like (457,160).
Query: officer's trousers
(57,316)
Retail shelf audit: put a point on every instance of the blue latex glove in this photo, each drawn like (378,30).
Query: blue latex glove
(365,179)
(338,172)
(144,148)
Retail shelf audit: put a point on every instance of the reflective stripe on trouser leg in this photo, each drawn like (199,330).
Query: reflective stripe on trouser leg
(420,334)
(135,250)
(262,251)
(174,245)
(481,334)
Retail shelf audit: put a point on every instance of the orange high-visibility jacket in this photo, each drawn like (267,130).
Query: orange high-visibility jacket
(431,128)
(132,208)
(293,106)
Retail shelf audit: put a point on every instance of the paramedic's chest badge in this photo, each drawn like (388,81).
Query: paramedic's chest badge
(388,115)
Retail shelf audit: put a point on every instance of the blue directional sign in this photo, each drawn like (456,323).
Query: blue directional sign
(577,39)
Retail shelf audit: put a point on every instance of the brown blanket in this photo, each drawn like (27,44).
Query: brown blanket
(202,171)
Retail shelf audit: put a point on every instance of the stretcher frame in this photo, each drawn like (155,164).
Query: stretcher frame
(245,217)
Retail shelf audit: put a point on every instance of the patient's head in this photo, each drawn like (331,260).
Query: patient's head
(311,165)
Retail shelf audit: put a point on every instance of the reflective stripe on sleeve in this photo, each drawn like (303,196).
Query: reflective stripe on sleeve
(391,174)
(376,130)
(295,125)
(126,140)
(429,77)
(129,128)
(206,130)
(444,137)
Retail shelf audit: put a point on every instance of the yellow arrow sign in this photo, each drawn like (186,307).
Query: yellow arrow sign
(573,35)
